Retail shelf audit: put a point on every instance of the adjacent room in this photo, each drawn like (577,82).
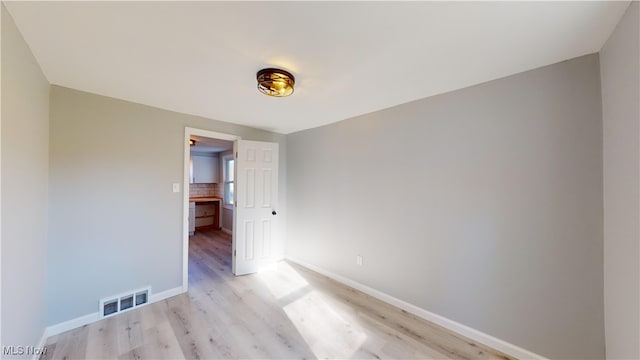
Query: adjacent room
(308,179)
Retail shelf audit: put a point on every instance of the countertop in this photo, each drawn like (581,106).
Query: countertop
(204,199)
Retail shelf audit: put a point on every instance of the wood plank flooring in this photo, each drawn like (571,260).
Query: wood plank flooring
(289,312)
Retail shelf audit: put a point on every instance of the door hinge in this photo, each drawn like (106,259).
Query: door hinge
(236,154)
(234,253)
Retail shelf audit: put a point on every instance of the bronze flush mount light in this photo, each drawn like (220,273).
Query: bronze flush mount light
(275,82)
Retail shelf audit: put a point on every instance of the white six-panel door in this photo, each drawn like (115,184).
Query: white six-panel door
(255,211)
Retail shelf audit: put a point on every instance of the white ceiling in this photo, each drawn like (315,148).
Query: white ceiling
(209,145)
(349,58)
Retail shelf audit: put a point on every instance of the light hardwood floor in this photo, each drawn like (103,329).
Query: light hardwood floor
(289,312)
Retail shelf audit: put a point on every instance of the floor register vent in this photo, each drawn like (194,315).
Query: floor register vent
(123,302)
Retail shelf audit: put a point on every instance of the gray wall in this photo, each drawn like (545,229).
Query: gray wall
(25,164)
(619,61)
(115,223)
(483,205)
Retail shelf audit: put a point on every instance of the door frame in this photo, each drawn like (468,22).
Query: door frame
(188,132)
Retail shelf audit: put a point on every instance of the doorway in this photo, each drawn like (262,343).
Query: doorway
(208,190)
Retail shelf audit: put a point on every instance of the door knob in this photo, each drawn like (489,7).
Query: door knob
(273,212)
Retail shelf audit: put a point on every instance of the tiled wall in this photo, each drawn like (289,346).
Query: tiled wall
(198,190)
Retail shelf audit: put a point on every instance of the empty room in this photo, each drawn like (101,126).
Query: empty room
(320,180)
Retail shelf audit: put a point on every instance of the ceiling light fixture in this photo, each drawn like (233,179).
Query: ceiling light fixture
(275,82)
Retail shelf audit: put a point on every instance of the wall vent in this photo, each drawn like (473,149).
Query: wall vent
(124,302)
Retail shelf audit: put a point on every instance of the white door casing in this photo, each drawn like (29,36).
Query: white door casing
(255,210)
(188,132)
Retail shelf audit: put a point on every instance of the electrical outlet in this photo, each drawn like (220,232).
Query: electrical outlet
(359,260)
(176,187)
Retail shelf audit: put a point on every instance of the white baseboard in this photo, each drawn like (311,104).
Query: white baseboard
(41,344)
(454,326)
(93,317)
(72,324)
(166,294)
(226,231)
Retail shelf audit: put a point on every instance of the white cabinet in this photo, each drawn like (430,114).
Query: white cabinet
(204,169)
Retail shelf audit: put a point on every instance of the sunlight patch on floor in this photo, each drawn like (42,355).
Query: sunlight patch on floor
(283,282)
(329,332)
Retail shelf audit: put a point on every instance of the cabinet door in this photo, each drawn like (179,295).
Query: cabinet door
(205,169)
